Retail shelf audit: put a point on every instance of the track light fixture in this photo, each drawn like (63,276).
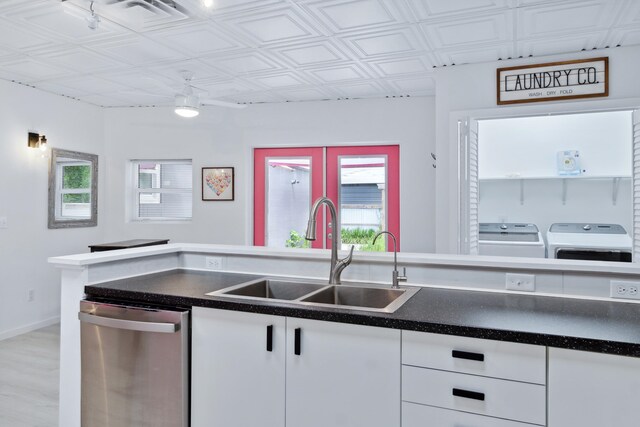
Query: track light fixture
(93,20)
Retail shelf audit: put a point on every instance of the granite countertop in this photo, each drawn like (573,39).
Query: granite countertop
(580,324)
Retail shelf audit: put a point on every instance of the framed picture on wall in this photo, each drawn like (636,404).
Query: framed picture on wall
(217,184)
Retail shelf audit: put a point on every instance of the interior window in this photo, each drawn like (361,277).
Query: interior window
(162,190)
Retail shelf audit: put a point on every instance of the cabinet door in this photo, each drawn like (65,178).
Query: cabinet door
(236,381)
(593,389)
(344,375)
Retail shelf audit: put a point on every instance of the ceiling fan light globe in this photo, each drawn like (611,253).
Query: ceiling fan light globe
(187,106)
(187,112)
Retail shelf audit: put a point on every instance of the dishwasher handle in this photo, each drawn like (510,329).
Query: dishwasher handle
(132,325)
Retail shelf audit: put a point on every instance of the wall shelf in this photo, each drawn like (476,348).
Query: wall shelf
(615,183)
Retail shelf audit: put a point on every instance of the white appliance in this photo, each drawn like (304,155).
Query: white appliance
(511,239)
(596,242)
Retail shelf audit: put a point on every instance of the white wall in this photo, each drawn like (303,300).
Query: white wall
(469,90)
(528,146)
(26,243)
(226,137)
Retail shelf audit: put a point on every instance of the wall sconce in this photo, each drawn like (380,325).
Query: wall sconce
(37,141)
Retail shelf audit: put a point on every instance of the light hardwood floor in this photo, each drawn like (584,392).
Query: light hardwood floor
(29,379)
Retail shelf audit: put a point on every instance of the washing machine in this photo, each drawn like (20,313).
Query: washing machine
(594,242)
(511,239)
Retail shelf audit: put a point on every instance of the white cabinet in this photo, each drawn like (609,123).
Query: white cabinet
(235,379)
(414,415)
(592,389)
(336,374)
(345,375)
(469,380)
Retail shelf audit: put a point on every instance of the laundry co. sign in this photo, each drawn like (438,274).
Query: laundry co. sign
(583,78)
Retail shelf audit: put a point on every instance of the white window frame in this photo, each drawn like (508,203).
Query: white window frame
(136,191)
(60,191)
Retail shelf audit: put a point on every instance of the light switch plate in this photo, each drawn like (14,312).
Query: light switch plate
(3,222)
(521,282)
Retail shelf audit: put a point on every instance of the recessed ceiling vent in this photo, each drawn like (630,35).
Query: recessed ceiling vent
(149,14)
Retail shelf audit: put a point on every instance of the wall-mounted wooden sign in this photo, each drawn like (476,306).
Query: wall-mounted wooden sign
(582,78)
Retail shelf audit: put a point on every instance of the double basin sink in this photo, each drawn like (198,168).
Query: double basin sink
(351,296)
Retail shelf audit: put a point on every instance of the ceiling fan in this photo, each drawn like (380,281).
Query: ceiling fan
(187,103)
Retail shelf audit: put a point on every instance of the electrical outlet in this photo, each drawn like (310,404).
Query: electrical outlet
(623,289)
(31,295)
(521,282)
(213,262)
(3,222)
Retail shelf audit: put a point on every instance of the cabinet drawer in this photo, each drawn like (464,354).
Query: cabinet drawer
(414,415)
(498,359)
(470,393)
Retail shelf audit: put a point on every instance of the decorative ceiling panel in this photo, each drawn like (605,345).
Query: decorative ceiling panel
(251,62)
(539,47)
(366,89)
(441,9)
(353,15)
(209,40)
(340,73)
(280,26)
(29,70)
(309,94)
(309,54)
(286,50)
(564,18)
(414,85)
(398,67)
(464,32)
(401,41)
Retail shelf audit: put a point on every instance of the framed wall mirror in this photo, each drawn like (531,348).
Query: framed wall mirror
(73,189)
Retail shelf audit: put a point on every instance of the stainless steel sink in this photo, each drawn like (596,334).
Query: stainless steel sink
(270,289)
(351,296)
(361,298)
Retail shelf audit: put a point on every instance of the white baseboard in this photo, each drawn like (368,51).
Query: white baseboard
(28,328)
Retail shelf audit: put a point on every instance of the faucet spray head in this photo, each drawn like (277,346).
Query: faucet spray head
(311,230)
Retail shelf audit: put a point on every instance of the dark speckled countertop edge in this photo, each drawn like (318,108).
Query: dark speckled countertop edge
(386,320)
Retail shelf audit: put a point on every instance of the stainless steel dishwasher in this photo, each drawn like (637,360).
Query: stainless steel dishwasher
(135,366)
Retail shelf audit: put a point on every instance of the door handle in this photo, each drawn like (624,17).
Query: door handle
(296,342)
(131,325)
(270,338)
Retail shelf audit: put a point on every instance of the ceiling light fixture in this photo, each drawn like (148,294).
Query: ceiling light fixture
(207,3)
(187,105)
(93,20)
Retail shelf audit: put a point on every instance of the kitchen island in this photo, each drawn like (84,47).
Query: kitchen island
(459,296)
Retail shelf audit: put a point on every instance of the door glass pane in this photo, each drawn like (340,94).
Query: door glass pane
(363,201)
(288,201)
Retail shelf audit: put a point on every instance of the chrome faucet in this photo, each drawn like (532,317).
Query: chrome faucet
(396,277)
(336,265)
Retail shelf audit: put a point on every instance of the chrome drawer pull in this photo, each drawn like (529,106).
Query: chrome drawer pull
(467,394)
(479,357)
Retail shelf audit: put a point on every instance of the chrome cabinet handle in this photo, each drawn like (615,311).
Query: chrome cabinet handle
(131,325)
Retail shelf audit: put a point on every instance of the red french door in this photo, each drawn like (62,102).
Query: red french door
(286,182)
(363,182)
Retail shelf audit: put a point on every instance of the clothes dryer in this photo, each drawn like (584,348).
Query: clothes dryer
(595,242)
